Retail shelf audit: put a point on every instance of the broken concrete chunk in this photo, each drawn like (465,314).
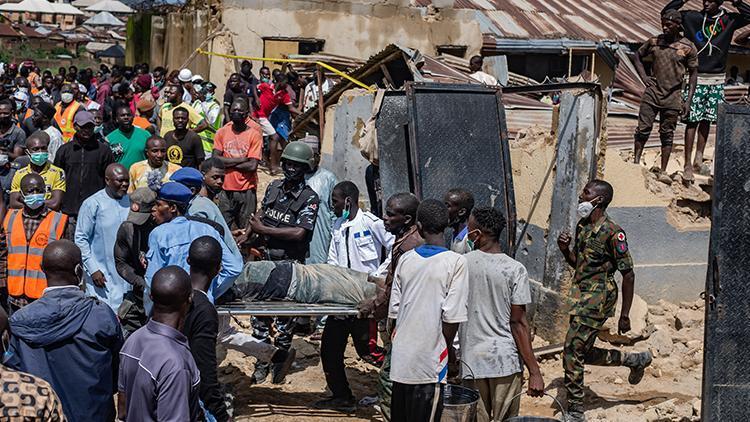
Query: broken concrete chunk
(640,329)
(660,342)
(687,318)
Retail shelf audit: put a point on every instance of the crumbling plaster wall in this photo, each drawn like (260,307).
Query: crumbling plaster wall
(356,28)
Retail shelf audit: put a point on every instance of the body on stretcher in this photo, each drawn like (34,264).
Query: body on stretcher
(285,308)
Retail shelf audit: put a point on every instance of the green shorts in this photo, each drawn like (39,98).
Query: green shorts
(705,104)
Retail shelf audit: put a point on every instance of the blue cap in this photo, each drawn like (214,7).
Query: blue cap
(189,177)
(175,192)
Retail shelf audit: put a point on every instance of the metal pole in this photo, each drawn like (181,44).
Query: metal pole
(321,106)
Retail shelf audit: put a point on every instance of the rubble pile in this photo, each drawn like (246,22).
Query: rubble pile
(670,390)
(674,334)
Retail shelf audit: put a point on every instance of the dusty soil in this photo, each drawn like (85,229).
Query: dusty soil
(670,390)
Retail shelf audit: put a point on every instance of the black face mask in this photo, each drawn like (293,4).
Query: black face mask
(5,121)
(294,173)
(237,118)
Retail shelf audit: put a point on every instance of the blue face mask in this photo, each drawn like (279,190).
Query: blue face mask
(34,200)
(39,158)
(347,207)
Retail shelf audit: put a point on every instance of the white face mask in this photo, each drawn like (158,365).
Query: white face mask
(66,97)
(3,159)
(585,209)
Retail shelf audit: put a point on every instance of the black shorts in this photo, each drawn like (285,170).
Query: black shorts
(417,402)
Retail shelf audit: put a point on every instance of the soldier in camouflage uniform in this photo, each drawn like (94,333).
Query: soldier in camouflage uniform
(600,249)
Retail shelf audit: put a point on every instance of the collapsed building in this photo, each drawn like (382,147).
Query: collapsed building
(528,44)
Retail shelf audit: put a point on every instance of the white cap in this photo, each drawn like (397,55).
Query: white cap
(197,78)
(185,75)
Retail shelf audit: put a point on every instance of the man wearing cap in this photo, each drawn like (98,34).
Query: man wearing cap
(673,56)
(173,94)
(128,143)
(186,80)
(239,145)
(145,113)
(44,115)
(99,219)
(10,133)
(170,241)
(84,161)
(130,250)
(284,228)
(66,110)
(21,102)
(54,177)
(202,207)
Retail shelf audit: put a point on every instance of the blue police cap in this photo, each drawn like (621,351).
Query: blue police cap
(175,192)
(189,177)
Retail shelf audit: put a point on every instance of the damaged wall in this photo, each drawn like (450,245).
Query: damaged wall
(357,28)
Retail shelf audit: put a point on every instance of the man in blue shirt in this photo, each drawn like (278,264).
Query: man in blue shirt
(200,206)
(170,241)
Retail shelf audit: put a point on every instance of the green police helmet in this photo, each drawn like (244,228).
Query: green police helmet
(300,152)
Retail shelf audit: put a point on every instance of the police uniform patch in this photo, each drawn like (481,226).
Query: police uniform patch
(620,237)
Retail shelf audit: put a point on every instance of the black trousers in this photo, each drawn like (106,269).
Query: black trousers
(333,344)
(417,402)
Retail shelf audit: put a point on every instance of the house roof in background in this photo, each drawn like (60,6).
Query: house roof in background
(103,19)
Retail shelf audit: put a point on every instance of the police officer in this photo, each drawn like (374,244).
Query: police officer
(285,226)
(600,249)
(358,242)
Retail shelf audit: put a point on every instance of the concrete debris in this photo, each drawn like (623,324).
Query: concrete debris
(640,329)
(660,342)
(670,389)
(669,411)
(687,318)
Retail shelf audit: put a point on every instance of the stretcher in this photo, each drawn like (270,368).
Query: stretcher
(284,308)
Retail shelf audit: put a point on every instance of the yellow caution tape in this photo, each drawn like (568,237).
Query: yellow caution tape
(269,59)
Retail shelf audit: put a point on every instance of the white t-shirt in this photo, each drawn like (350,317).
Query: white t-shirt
(484,78)
(430,286)
(55,141)
(496,281)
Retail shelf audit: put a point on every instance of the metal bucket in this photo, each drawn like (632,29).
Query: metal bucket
(459,404)
(539,418)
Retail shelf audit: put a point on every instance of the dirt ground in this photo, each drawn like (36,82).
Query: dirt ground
(669,391)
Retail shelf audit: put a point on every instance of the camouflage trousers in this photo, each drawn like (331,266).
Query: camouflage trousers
(579,350)
(385,385)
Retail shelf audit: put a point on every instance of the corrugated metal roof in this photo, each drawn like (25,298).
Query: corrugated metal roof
(7,31)
(628,21)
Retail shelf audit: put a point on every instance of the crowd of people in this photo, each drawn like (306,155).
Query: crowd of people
(130,211)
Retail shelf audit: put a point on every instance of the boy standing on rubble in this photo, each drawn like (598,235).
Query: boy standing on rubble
(712,31)
(673,56)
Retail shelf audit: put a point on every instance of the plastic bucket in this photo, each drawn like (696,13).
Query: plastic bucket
(459,404)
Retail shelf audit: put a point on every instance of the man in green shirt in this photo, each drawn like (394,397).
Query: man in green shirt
(128,143)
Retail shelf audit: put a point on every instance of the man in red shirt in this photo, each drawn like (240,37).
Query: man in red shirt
(239,145)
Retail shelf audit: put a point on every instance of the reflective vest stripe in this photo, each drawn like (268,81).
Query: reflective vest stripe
(25,275)
(64,119)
